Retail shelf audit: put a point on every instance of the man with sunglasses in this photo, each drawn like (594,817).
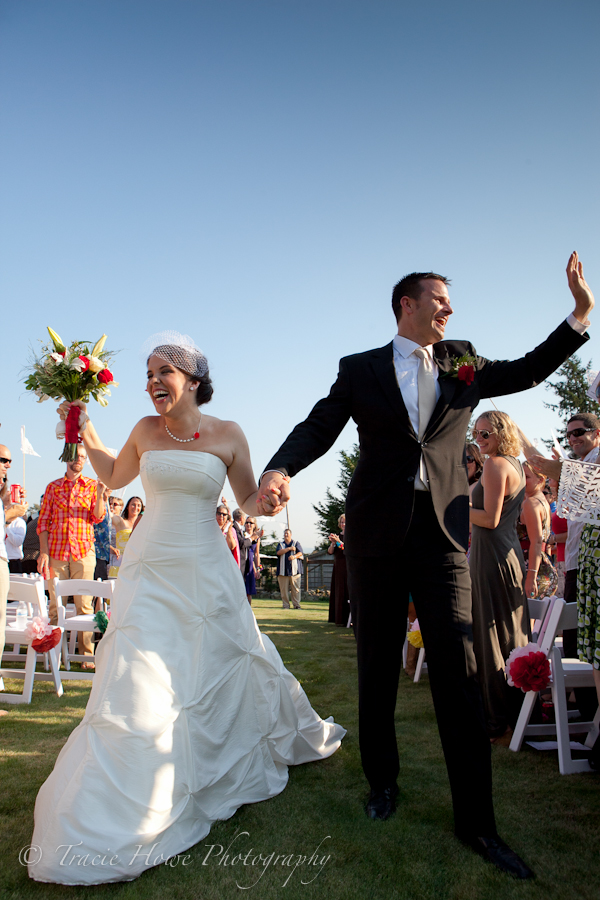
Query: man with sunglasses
(583,435)
(412,401)
(8,512)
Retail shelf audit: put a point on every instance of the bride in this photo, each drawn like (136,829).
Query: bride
(191,713)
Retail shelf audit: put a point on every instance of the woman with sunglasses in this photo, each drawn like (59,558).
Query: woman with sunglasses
(224,523)
(474,464)
(497,567)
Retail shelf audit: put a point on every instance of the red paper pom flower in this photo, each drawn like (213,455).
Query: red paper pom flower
(466,373)
(105,376)
(528,668)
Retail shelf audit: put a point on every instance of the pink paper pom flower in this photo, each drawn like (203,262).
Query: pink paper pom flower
(38,628)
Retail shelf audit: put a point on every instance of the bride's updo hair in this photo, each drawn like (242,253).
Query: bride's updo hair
(183,353)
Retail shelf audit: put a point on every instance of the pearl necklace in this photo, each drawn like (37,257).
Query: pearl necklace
(185,440)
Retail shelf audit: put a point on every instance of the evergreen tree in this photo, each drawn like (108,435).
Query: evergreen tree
(571,390)
(332,507)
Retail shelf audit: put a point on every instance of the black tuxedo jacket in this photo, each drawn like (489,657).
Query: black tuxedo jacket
(367,391)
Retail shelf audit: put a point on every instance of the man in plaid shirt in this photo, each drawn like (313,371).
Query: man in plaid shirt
(71,507)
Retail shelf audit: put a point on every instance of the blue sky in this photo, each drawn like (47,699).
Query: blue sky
(260,174)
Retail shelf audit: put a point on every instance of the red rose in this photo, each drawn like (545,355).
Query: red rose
(466,373)
(531,672)
(42,645)
(105,376)
(86,363)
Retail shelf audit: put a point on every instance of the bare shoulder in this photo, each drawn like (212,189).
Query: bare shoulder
(497,464)
(221,428)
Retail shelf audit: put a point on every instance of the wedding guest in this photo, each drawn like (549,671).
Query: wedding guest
(72,505)
(8,512)
(239,521)
(339,601)
(251,533)
(587,634)
(289,569)
(116,505)
(31,544)
(102,540)
(583,435)
(497,568)
(124,526)
(557,541)
(222,516)
(15,535)
(474,463)
(541,576)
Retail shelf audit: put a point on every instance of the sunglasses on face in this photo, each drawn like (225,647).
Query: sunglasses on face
(4,460)
(578,432)
(470,459)
(221,514)
(484,434)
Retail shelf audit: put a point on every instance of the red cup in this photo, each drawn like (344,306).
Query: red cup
(15,493)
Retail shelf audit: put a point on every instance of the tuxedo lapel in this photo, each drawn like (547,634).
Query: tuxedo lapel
(382,363)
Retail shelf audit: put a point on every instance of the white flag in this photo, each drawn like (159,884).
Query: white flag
(26,445)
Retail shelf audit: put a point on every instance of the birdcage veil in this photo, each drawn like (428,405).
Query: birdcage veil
(178,349)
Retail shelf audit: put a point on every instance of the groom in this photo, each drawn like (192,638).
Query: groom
(412,401)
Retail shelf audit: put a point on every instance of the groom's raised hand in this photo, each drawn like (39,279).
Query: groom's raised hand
(273,493)
(584,299)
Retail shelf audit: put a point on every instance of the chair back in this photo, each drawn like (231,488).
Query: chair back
(537,611)
(568,618)
(78,586)
(550,625)
(31,592)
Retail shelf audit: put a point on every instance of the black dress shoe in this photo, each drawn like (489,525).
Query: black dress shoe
(494,850)
(382,803)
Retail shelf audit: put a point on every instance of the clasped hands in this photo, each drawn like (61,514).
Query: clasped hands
(273,493)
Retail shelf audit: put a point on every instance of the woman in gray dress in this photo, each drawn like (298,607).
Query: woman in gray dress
(500,620)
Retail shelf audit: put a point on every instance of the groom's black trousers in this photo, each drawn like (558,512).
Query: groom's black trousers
(437,576)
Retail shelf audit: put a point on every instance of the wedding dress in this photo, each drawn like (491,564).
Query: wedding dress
(191,713)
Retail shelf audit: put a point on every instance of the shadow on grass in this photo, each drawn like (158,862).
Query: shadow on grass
(552,821)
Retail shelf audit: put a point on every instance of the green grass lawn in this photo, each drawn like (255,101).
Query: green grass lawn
(551,820)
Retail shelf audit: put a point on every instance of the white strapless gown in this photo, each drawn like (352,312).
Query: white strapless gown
(191,713)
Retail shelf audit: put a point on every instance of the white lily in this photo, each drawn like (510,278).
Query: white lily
(58,358)
(102,401)
(96,365)
(76,364)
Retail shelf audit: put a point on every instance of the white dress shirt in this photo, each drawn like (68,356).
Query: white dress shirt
(406,365)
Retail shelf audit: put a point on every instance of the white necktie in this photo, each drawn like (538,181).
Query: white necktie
(426,386)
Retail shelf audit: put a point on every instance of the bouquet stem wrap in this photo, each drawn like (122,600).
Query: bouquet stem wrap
(72,437)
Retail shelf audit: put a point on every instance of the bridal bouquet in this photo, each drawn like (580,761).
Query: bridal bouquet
(71,373)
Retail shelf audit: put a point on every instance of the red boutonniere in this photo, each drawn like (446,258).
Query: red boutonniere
(463,368)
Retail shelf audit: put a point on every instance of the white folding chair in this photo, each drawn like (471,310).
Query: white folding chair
(538,610)
(566,675)
(31,592)
(76,623)
(421,664)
